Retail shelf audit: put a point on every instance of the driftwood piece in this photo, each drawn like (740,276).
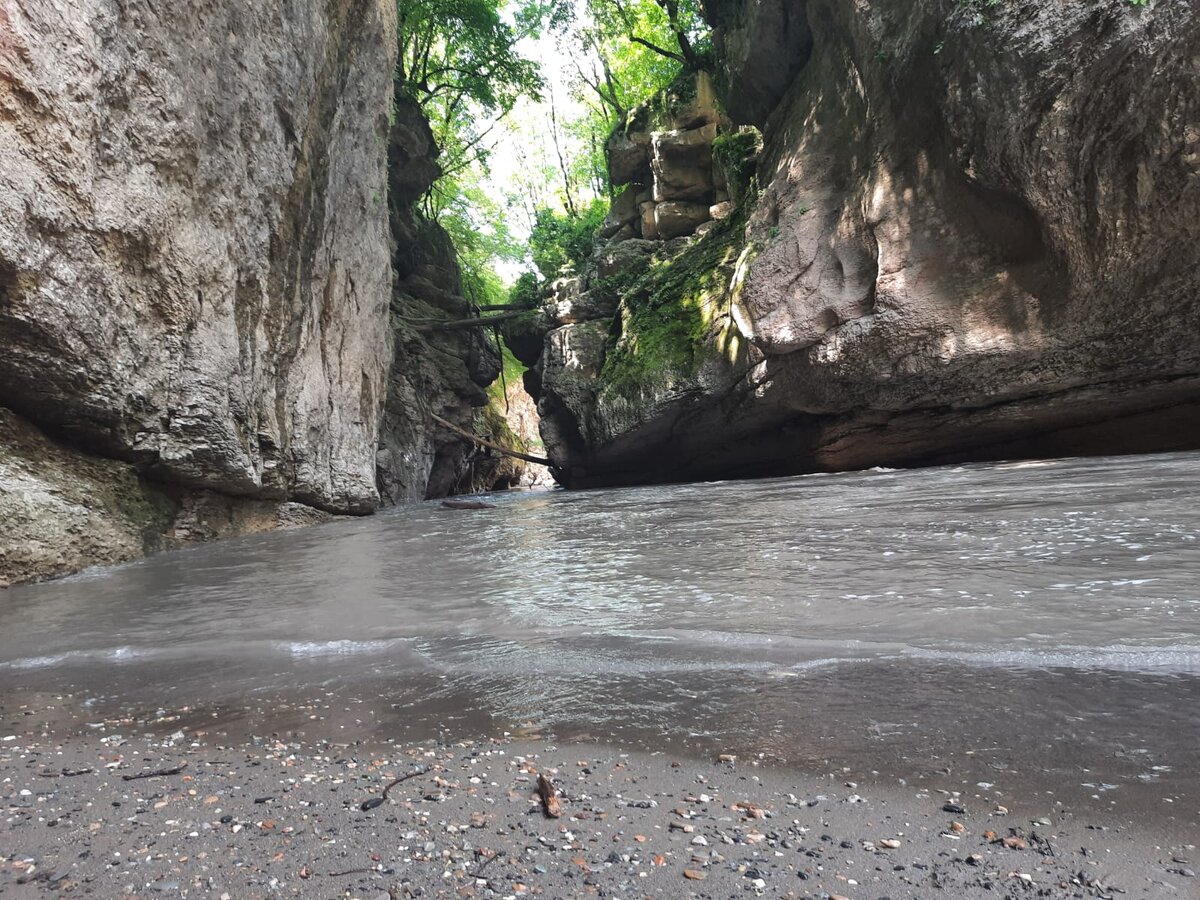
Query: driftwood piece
(69,773)
(550,802)
(467,504)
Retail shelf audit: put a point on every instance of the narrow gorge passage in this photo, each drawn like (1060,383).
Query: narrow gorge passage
(600,448)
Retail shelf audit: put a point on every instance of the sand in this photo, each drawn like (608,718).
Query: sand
(282,815)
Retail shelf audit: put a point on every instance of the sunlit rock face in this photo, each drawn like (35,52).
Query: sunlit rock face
(195,270)
(978,236)
(194,250)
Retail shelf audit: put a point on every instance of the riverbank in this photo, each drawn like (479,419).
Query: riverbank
(240,815)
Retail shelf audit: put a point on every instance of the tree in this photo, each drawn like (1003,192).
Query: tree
(455,51)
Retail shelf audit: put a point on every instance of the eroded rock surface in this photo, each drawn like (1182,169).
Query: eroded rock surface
(198,325)
(435,370)
(976,235)
(194,254)
(64,510)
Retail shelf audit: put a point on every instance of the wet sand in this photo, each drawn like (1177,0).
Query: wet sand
(282,814)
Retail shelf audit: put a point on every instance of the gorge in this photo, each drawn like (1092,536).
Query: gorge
(967,231)
(858,335)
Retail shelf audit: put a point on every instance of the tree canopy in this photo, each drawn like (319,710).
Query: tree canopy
(478,68)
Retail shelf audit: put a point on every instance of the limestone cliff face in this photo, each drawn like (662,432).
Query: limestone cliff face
(194,252)
(435,370)
(977,235)
(199,331)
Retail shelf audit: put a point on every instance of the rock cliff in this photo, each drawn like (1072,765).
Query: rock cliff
(974,233)
(194,257)
(434,370)
(199,331)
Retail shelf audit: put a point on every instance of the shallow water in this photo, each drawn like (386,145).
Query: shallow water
(1050,610)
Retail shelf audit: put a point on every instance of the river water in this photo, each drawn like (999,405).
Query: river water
(1027,619)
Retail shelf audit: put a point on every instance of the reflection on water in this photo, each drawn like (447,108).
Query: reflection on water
(989,604)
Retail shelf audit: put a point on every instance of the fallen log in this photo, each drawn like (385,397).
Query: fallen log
(473,322)
(538,460)
(466,504)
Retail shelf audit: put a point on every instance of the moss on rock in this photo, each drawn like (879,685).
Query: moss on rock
(669,318)
(736,154)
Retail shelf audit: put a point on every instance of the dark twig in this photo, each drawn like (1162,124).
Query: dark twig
(380,800)
(155,774)
(68,773)
(487,862)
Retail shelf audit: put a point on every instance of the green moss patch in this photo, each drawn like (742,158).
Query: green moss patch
(737,156)
(668,315)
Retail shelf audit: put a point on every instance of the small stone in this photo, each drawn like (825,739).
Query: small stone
(694,874)
(890,843)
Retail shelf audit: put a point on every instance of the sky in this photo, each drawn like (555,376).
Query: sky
(526,132)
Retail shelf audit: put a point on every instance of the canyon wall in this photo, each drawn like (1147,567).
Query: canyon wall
(974,233)
(200,334)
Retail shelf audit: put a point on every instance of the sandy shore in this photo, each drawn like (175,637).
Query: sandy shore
(249,816)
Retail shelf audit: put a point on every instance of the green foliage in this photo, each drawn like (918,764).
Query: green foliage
(455,51)
(561,242)
(459,60)
(526,291)
(624,52)
(477,225)
(512,369)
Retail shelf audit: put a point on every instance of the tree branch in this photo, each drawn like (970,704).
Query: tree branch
(669,54)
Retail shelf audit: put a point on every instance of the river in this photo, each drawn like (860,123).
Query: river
(1032,620)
